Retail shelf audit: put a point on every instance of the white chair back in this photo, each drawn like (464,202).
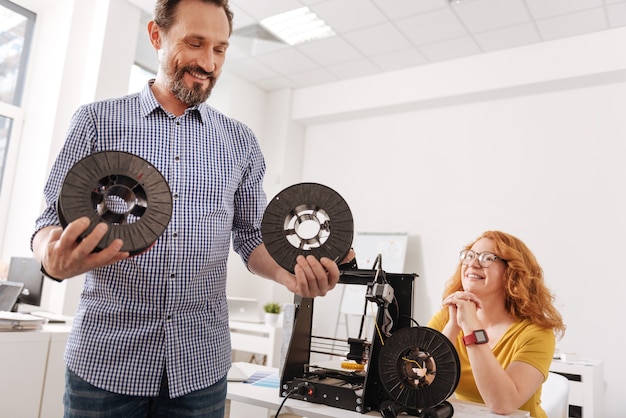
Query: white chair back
(554,396)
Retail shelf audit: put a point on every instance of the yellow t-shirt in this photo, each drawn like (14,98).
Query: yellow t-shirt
(523,341)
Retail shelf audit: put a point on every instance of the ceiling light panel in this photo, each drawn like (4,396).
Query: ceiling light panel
(297,26)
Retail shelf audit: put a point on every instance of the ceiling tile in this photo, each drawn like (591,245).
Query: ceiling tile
(249,69)
(329,51)
(572,24)
(398,60)
(541,8)
(450,49)
(378,39)
(617,15)
(354,69)
(261,47)
(276,84)
(484,15)
(287,61)
(396,9)
(432,27)
(253,46)
(348,15)
(510,37)
(240,17)
(388,35)
(314,77)
(262,9)
(234,53)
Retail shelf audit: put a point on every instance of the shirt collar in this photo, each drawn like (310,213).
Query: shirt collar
(149,103)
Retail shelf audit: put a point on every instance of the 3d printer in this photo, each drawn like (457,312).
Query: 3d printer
(403,368)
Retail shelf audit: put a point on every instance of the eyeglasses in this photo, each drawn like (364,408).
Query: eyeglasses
(485,259)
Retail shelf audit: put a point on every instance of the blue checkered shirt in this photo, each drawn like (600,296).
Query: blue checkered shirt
(165,309)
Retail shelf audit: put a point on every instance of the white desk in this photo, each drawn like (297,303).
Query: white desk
(257,338)
(256,401)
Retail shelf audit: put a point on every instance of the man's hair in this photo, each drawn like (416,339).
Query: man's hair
(165,12)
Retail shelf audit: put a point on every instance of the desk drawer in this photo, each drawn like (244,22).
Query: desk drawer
(251,343)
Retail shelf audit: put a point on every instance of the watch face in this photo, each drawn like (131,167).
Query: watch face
(481,336)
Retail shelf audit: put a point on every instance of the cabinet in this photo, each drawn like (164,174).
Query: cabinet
(257,338)
(54,383)
(33,372)
(586,387)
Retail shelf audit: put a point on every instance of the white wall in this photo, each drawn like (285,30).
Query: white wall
(541,161)
(529,141)
(72,67)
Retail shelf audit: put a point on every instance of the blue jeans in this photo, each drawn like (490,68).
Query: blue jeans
(82,400)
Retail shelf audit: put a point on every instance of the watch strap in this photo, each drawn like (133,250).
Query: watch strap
(476,337)
(45,273)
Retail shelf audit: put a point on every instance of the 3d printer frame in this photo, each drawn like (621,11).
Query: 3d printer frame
(361,390)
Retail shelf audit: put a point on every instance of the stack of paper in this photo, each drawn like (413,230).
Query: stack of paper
(265,378)
(15,321)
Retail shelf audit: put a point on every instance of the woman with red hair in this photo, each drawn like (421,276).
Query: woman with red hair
(500,315)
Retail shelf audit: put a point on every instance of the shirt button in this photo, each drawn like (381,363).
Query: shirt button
(177,158)
(175,196)
(172,276)
(175,235)
(168,318)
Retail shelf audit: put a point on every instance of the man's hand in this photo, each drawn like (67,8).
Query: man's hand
(62,256)
(311,278)
(314,277)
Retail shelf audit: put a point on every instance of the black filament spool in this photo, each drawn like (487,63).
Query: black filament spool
(307,219)
(121,189)
(419,367)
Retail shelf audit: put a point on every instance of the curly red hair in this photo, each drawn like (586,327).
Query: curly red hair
(526,294)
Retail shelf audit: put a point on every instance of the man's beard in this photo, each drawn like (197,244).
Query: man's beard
(194,95)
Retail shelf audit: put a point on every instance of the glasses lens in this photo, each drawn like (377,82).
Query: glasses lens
(486,259)
(466,256)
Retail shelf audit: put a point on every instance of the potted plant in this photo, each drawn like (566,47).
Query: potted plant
(272,311)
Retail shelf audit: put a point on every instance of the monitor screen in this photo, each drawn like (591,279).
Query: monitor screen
(27,270)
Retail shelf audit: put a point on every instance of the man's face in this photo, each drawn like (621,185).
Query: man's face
(193,51)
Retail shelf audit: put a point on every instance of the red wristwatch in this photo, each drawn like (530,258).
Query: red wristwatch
(476,337)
